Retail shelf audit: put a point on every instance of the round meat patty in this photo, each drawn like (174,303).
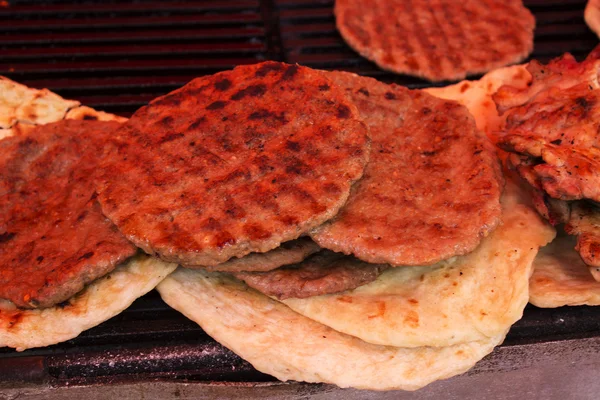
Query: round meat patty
(432,187)
(234,163)
(53,236)
(291,252)
(323,273)
(437,39)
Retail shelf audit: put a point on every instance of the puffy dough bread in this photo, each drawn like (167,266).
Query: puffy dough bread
(282,343)
(460,300)
(561,278)
(22,105)
(99,301)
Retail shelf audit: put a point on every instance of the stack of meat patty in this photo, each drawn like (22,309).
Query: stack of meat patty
(552,132)
(225,172)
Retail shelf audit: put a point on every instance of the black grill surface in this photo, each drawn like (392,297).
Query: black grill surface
(116,56)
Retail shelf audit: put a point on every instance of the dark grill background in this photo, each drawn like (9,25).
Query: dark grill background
(116,56)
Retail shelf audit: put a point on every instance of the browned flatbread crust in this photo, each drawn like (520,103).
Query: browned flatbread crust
(53,236)
(437,39)
(234,163)
(324,273)
(432,187)
(290,252)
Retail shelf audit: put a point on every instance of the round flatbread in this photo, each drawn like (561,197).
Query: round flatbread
(282,343)
(415,205)
(54,238)
(561,278)
(99,301)
(463,299)
(234,163)
(437,40)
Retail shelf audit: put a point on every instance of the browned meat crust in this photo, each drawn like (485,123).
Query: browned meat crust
(53,236)
(585,223)
(323,273)
(234,163)
(553,130)
(432,187)
(291,252)
(437,40)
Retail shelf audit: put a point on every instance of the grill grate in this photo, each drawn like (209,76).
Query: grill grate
(116,56)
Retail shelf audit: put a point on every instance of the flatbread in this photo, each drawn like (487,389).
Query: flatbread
(99,301)
(234,163)
(561,278)
(282,343)
(437,40)
(460,300)
(22,108)
(18,103)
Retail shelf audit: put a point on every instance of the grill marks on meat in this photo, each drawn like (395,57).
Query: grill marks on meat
(432,187)
(234,163)
(291,252)
(53,237)
(437,39)
(323,273)
(553,132)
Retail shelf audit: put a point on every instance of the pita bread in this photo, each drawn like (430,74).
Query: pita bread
(99,301)
(561,278)
(282,343)
(18,103)
(22,108)
(592,15)
(459,300)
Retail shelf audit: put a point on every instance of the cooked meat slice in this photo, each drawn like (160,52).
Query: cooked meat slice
(556,128)
(234,163)
(561,73)
(585,223)
(53,236)
(437,40)
(416,203)
(554,210)
(323,273)
(291,252)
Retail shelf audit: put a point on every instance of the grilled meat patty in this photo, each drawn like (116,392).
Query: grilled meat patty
(291,252)
(234,163)
(53,236)
(437,39)
(323,273)
(432,187)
